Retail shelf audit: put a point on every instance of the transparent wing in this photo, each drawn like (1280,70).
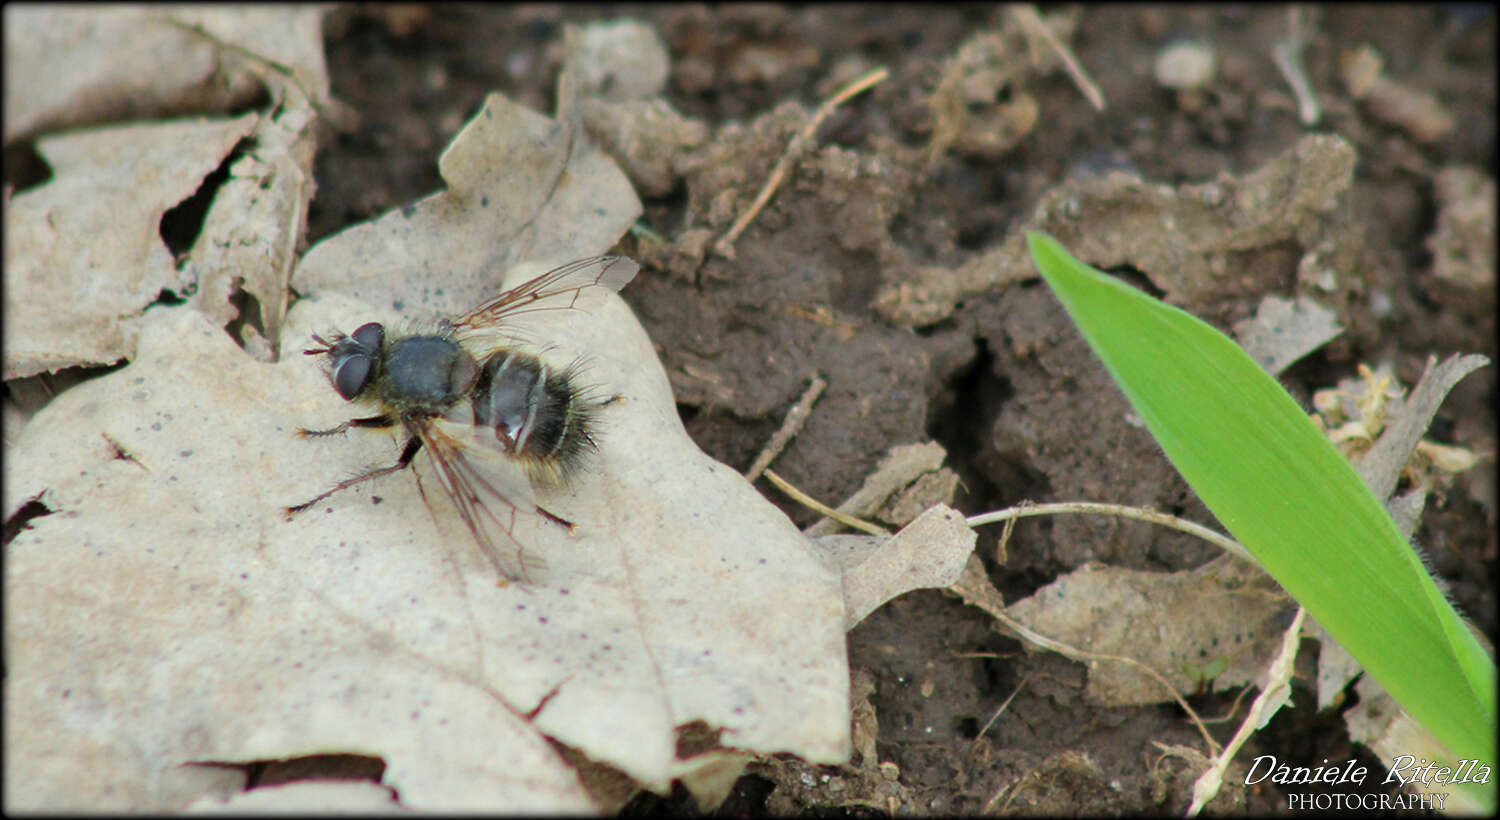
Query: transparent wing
(491,492)
(564,288)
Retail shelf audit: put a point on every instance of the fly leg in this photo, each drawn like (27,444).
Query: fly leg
(372,421)
(558,520)
(408,452)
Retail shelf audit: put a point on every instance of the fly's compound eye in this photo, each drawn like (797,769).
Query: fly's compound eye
(354,359)
(369,337)
(352,373)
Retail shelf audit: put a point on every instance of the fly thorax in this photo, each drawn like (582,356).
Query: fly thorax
(427,370)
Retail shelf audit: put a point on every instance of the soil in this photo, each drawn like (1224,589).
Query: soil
(897,188)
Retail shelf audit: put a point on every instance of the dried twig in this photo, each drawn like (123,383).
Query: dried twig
(725,246)
(1037,29)
(819,507)
(1287,54)
(998,712)
(790,427)
(900,466)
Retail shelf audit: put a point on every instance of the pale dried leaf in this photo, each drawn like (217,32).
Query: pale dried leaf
(84,254)
(303,798)
(710,777)
(1179,624)
(162,615)
(280,42)
(368,625)
(1284,331)
(356,627)
(929,552)
(67,66)
(250,234)
(1381,466)
(927,490)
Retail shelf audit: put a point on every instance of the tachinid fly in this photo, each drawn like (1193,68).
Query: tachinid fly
(494,419)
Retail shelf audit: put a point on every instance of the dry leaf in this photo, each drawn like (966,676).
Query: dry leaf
(164,613)
(89,241)
(374,629)
(250,233)
(84,254)
(930,552)
(1381,466)
(1284,331)
(522,187)
(305,797)
(1182,624)
(84,65)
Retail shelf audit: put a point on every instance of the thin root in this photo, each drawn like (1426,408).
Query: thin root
(1139,513)
(1036,28)
(725,246)
(1287,54)
(790,427)
(819,507)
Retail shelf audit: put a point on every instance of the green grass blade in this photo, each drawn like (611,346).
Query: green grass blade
(1268,474)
